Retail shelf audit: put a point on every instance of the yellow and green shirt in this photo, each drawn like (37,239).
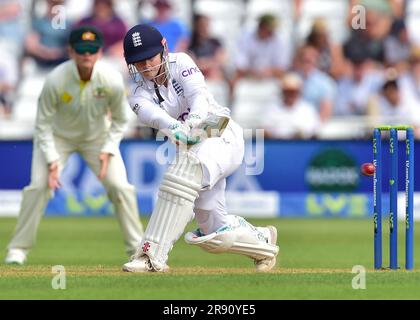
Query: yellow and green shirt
(81,111)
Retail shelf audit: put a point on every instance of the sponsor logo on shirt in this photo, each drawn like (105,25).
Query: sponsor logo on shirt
(184,115)
(99,92)
(66,97)
(187,72)
(178,89)
(136,108)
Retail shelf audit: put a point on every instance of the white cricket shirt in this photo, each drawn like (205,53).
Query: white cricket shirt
(80,111)
(186,93)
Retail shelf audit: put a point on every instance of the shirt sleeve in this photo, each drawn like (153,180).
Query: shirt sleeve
(195,89)
(47,107)
(150,114)
(119,118)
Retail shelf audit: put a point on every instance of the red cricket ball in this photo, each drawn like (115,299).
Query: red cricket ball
(367,169)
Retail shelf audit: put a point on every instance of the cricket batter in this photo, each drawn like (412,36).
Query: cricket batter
(171,95)
(83,109)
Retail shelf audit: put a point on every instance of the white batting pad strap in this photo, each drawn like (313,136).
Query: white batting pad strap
(173,209)
(241,238)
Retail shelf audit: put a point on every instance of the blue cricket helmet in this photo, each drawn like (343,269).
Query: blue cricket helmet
(142,42)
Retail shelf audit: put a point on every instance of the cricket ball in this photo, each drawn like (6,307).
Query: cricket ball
(367,169)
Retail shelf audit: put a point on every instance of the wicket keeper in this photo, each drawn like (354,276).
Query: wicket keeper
(82,108)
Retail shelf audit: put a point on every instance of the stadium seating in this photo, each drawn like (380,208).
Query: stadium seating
(220,91)
(345,127)
(225,21)
(228,20)
(333,11)
(250,99)
(283,10)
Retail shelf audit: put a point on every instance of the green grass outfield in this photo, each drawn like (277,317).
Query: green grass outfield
(315,262)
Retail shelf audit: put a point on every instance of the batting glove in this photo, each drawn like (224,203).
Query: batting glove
(193,120)
(179,133)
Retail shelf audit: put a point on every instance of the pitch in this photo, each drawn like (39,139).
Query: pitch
(315,262)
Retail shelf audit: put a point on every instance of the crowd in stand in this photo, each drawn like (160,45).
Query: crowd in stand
(375,72)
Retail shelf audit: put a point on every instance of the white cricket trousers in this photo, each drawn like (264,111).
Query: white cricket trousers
(219,158)
(36,195)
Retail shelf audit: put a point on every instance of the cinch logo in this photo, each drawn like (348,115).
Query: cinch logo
(190,71)
(184,115)
(136,108)
(178,89)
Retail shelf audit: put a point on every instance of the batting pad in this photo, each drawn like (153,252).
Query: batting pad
(174,208)
(242,239)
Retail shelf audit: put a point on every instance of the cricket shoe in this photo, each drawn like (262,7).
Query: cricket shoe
(16,256)
(141,264)
(267,264)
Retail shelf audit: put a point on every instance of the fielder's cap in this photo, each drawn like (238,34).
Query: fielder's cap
(142,42)
(86,39)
